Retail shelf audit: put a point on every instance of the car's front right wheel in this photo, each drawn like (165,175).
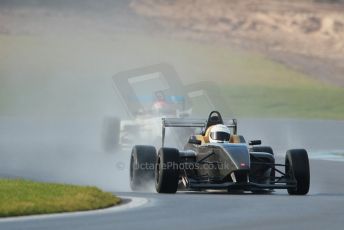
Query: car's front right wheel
(297,169)
(167,170)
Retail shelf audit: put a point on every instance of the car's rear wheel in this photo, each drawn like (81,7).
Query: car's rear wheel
(167,171)
(142,167)
(297,169)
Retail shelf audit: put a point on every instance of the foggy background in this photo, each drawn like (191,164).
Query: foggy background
(57,60)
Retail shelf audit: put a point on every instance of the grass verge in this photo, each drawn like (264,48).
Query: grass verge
(254,85)
(293,102)
(22,197)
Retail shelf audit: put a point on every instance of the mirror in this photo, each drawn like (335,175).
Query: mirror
(195,141)
(255,142)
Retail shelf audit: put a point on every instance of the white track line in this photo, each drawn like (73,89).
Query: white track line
(133,203)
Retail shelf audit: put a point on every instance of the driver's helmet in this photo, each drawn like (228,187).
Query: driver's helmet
(219,133)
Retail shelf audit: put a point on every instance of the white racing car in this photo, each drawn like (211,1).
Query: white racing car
(149,94)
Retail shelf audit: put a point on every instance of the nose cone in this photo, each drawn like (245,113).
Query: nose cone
(239,155)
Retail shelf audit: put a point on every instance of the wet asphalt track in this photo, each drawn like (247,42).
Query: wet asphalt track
(323,208)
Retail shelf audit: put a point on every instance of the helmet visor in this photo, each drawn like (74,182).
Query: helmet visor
(220,136)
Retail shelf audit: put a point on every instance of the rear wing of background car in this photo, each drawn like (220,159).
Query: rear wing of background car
(137,91)
(192,123)
(136,87)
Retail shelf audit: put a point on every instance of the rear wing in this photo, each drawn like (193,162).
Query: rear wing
(192,123)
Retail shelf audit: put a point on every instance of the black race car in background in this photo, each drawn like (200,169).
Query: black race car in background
(230,164)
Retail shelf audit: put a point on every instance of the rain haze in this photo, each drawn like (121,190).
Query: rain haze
(60,103)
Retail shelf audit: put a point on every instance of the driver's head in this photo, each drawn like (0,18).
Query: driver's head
(159,95)
(219,133)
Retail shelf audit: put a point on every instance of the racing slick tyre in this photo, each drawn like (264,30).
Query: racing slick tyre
(167,171)
(142,164)
(297,168)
